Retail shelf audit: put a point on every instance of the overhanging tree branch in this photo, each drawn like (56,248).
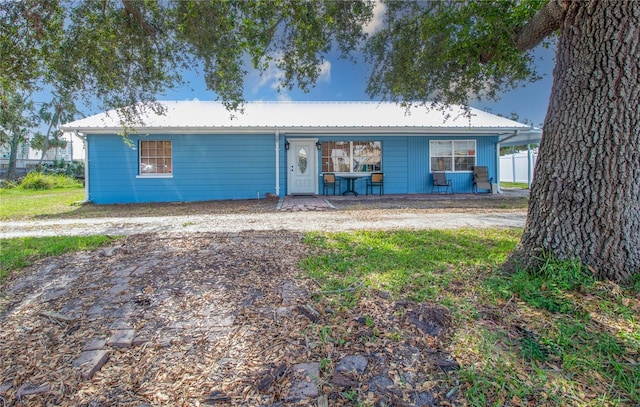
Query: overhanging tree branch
(137,16)
(542,24)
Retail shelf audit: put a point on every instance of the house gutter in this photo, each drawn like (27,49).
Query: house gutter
(391,131)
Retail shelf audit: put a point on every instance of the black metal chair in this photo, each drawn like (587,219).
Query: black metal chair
(376,180)
(440,180)
(481,179)
(329,181)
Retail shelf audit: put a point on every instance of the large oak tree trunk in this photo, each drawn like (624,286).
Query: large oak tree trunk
(585,198)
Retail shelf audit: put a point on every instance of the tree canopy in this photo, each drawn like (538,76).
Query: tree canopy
(121,52)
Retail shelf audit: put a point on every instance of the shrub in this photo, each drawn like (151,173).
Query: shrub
(8,184)
(37,180)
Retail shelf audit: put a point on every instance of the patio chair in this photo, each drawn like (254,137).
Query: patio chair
(481,179)
(329,181)
(376,180)
(440,180)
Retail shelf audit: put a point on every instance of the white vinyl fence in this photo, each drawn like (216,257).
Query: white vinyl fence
(514,167)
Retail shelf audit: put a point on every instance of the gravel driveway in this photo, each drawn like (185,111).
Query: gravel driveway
(300,215)
(298,222)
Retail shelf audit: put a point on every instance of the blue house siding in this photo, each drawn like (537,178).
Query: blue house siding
(406,161)
(205,167)
(243,166)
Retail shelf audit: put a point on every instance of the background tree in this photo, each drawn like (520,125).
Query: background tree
(16,120)
(61,109)
(584,199)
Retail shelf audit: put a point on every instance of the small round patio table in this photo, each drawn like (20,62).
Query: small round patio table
(351,181)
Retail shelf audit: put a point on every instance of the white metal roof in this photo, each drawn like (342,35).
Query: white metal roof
(207,116)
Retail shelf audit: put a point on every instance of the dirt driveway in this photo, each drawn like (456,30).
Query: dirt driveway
(212,310)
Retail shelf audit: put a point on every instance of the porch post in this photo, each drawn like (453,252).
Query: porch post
(529,166)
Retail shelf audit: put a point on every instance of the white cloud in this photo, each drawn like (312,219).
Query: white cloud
(325,72)
(272,76)
(379,10)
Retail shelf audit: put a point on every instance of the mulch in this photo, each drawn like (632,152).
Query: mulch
(219,319)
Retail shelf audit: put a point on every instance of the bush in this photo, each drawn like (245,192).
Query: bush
(37,180)
(8,184)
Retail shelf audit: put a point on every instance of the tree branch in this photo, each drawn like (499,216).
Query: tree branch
(544,23)
(137,16)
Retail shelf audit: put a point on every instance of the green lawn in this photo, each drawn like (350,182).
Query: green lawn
(555,338)
(28,204)
(516,185)
(20,204)
(18,253)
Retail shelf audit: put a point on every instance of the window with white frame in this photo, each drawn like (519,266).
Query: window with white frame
(351,156)
(452,155)
(155,157)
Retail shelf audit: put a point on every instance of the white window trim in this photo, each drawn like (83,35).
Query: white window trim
(152,174)
(453,162)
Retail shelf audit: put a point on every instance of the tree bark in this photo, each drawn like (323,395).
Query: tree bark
(585,197)
(14,144)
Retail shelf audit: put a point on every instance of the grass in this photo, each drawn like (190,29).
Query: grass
(516,185)
(418,265)
(18,253)
(18,204)
(555,337)
(39,195)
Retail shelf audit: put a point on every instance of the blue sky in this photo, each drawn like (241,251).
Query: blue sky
(345,81)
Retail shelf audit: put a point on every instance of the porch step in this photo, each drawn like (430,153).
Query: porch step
(294,203)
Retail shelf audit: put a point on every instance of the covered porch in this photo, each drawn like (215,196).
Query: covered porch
(508,198)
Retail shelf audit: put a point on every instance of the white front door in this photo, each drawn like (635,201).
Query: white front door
(302,164)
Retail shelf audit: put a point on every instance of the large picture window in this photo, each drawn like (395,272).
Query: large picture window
(452,155)
(351,156)
(155,158)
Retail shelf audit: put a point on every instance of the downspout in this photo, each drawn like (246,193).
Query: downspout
(85,145)
(277,162)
